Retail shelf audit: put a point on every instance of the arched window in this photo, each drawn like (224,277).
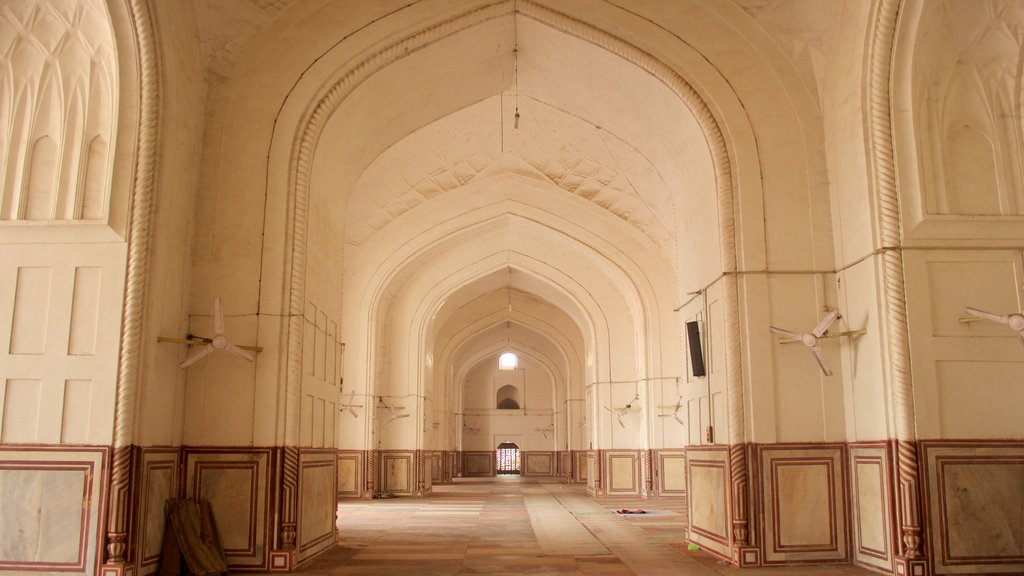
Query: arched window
(507,398)
(508,361)
(508,458)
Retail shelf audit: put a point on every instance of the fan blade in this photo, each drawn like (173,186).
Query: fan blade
(784,332)
(680,420)
(353,411)
(1002,318)
(205,351)
(1020,335)
(239,352)
(821,360)
(218,318)
(621,423)
(827,321)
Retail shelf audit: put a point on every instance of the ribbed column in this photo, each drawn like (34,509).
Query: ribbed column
(883,166)
(119,504)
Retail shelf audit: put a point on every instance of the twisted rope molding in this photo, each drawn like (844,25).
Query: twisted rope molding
(898,340)
(135,284)
(332,98)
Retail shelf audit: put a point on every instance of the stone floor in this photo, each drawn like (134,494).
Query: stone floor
(513,525)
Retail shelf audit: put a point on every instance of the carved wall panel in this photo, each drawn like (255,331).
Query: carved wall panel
(322,353)
(966,374)
(60,359)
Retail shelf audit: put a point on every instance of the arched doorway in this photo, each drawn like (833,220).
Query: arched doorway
(508,458)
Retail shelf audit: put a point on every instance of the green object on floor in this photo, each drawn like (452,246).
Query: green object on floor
(692,547)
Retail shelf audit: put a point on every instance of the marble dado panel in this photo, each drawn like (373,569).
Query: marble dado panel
(159,481)
(710,502)
(871,505)
(974,495)
(436,467)
(317,502)
(621,472)
(350,468)
(581,470)
(478,464)
(396,471)
(538,463)
(565,464)
(237,482)
(57,495)
(670,472)
(803,491)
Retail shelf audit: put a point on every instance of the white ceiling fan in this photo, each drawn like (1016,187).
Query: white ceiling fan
(810,339)
(620,412)
(675,412)
(393,411)
(218,342)
(470,429)
(1014,321)
(546,429)
(350,406)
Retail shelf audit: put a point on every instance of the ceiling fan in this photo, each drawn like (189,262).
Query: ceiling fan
(810,339)
(1014,321)
(349,406)
(546,429)
(393,411)
(620,412)
(218,342)
(675,412)
(470,429)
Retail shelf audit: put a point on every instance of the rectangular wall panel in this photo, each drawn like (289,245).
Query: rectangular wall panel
(538,463)
(237,485)
(804,498)
(158,481)
(350,473)
(57,496)
(85,311)
(670,472)
(708,495)
(871,506)
(317,502)
(478,464)
(621,472)
(31,311)
(583,466)
(396,471)
(77,413)
(975,497)
(21,411)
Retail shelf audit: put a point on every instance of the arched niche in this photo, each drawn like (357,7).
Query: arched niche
(956,122)
(69,93)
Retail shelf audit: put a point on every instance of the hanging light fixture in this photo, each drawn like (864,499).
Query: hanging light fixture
(508,360)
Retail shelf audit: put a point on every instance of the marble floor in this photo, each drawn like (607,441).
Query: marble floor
(513,525)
